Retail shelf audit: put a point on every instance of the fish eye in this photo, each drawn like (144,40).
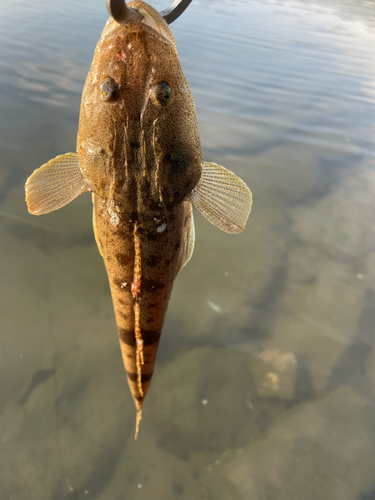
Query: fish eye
(109,89)
(161,93)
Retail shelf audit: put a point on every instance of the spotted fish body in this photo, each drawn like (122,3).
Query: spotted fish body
(139,211)
(139,153)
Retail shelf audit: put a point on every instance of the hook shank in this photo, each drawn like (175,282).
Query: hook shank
(122,14)
(175,10)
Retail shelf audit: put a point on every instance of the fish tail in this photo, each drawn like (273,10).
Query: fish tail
(137,422)
(139,346)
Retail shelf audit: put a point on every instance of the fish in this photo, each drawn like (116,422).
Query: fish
(139,154)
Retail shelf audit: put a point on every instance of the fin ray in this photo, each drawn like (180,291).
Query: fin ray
(55,184)
(223,198)
(188,239)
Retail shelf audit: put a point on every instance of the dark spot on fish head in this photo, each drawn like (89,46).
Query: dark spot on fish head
(109,89)
(177,162)
(179,175)
(177,245)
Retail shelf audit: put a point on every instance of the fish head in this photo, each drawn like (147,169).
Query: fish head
(137,118)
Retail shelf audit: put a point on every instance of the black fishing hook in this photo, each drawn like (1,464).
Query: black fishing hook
(175,10)
(121,13)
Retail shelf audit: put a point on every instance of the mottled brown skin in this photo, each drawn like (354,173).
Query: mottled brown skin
(141,160)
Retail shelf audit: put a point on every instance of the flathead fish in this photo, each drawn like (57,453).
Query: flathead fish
(139,154)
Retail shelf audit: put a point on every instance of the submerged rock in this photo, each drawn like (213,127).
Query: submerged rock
(274,374)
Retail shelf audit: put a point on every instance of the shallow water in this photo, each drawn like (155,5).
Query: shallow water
(265,380)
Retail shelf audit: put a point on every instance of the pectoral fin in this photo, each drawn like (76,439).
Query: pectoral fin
(188,239)
(55,184)
(223,198)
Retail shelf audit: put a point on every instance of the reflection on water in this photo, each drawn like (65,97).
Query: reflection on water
(265,383)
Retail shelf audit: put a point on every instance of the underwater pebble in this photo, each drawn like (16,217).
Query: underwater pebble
(214,307)
(274,373)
